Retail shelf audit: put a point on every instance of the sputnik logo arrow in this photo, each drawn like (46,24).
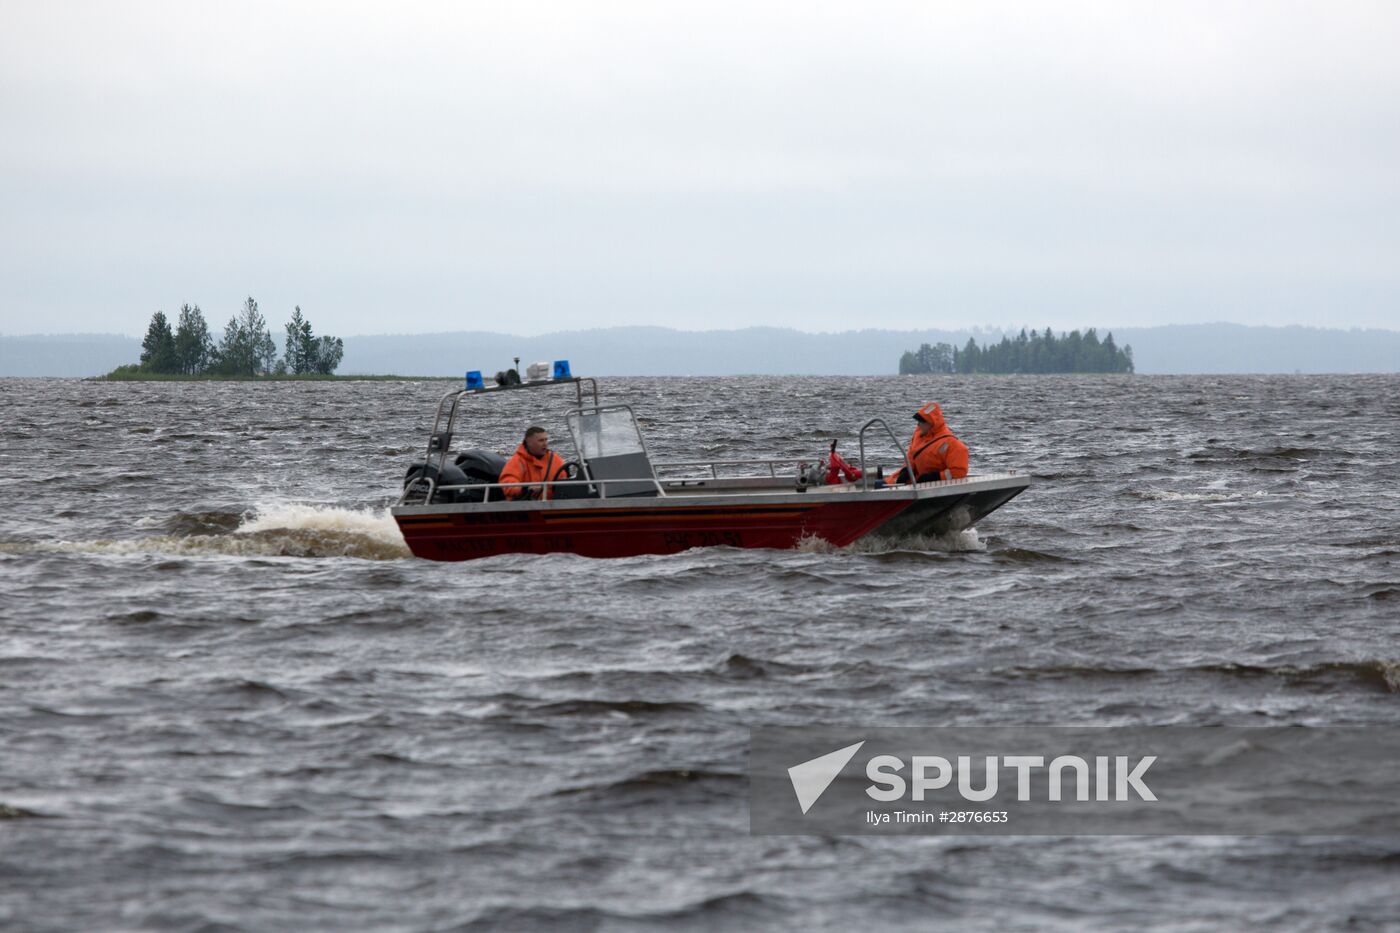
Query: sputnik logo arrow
(811,778)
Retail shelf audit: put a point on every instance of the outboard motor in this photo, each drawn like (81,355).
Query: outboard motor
(476,467)
(484,466)
(449,476)
(479,466)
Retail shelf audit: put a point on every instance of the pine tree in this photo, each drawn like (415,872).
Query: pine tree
(193,346)
(970,360)
(1073,358)
(1113,360)
(300,346)
(261,350)
(232,358)
(158,346)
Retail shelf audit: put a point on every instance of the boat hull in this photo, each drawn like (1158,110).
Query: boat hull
(669,524)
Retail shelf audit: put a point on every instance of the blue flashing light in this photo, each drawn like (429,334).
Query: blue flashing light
(561,369)
(474,380)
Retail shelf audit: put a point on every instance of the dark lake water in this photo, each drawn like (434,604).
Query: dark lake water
(230,699)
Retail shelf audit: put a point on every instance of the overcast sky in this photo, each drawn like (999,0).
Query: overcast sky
(533,166)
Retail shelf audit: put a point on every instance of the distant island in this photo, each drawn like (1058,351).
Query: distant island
(664,351)
(1027,353)
(247,350)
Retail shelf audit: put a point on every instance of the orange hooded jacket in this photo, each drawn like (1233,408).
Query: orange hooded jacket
(526,468)
(935,451)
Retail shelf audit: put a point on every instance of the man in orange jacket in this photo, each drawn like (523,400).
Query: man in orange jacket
(533,462)
(933,450)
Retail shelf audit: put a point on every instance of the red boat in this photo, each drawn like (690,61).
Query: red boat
(615,502)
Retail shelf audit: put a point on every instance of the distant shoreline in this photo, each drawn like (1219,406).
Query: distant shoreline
(304,377)
(656,351)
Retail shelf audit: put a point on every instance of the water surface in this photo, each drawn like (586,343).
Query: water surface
(230,699)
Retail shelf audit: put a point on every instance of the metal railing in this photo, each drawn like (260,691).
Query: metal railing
(881,422)
(713,465)
(433,488)
(440,440)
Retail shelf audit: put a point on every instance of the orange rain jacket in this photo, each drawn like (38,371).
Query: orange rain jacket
(524,468)
(937,452)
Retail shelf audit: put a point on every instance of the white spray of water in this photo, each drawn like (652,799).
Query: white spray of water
(280,530)
(1166,495)
(949,542)
(372,523)
(326,531)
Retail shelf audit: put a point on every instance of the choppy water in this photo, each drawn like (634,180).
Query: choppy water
(229,699)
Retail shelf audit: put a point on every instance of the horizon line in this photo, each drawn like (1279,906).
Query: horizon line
(971,329)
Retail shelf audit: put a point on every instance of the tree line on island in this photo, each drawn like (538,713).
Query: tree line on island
(246,348)
(1032,352)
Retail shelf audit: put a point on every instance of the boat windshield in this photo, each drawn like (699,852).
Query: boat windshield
(612,451)
(605,432)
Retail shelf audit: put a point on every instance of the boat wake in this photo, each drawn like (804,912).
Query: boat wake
(283,530)
(324,531)
(950,542)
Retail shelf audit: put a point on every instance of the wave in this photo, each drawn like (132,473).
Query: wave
(660,779)
(1271,453)
(736,910)
(189,524)
(1373,672)
(742,667)
(512,917)
(615,707)
(949,542)
(1019,555)
(283,530)
(1167,495)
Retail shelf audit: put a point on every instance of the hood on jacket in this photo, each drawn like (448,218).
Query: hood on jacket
(931,414)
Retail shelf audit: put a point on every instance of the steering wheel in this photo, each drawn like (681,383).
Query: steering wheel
(571,469)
